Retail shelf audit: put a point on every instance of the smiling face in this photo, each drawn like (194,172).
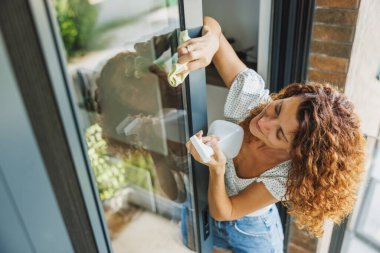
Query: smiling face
(277,123)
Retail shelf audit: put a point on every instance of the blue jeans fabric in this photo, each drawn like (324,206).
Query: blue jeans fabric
(259,234)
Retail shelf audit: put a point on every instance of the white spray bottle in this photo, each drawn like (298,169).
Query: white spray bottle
(230,140)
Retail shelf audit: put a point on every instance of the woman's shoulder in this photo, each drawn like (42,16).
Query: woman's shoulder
(280,169)
(247,91)
(275,179)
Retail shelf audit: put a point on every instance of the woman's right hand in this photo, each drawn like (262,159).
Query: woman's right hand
(218,160)
(198,52)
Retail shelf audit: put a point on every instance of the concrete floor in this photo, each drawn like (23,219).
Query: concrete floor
(148,233)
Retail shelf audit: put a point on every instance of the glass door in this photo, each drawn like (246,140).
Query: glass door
(116,56)
(362,232)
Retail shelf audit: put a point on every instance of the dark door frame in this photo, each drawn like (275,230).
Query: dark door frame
(291,34)
(35,86)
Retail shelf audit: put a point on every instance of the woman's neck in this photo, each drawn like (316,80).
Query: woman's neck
(279,154)
(263,154)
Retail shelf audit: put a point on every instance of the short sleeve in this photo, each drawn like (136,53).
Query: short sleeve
(275,180)
(247,91)
(276,186)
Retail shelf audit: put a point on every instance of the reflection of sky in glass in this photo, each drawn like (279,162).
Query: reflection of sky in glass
(137,28)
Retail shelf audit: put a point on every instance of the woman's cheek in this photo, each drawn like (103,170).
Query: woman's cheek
(272,142)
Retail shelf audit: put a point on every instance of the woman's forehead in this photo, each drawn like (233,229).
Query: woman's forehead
(289,120)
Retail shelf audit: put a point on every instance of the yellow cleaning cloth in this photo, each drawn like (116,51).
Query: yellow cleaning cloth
(174,76)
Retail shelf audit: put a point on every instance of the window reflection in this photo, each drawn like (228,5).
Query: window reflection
(135,123)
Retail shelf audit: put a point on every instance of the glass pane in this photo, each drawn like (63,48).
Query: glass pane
(355,245)
(368,225)
(375,168)
(119,53)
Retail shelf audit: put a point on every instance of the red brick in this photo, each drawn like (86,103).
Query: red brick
(347,4)
(336,16)
(332,33)
(331,48)
(293,248)
(328,63)
(337,79)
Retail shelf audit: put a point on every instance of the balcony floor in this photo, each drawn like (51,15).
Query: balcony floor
(147,233)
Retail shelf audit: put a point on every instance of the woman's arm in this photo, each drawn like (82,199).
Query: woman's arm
(225,59)
(212,46)
(223,207)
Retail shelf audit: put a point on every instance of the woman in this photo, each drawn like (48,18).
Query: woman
(302,146)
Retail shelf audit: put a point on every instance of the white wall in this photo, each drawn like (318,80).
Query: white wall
(239,19)
(362,86)
(363,89)
(216,96)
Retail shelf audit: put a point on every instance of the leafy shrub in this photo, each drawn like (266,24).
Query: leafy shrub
(113,173)
(76,19)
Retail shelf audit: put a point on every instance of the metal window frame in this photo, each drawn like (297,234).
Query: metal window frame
(358,231)
(339,232)
(196,102)
(35,85)
(291,35)
(25,190)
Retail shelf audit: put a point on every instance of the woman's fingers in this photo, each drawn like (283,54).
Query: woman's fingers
(190,56)
(194,65)
(219,157)
(195,53)
(209,138)
(190,44)
(193,152)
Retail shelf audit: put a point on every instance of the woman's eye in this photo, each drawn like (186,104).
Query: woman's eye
(278,134)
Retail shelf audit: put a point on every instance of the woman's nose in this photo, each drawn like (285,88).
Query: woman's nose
(266,123)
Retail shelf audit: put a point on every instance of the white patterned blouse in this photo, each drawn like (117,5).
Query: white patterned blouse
(248,91)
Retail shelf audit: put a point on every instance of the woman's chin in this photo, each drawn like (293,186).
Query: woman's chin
(255,135)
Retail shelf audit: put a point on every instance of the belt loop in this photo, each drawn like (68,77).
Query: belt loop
(266,222)
(218,224)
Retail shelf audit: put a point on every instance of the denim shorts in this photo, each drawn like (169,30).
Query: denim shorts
(250,234)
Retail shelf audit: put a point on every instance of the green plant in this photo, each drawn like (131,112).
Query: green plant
(113,173)
(76,19)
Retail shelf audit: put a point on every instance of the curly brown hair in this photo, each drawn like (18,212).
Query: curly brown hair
(327,156)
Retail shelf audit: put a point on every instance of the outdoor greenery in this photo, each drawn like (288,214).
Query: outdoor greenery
(114,173)
(76,19)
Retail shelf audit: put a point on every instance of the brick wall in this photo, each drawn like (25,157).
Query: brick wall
(333,32)
(331,42)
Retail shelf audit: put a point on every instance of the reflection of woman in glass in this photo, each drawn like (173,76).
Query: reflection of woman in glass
(302,146)
(140,112)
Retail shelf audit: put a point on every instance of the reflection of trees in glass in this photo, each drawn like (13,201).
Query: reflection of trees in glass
(112,173)
(76,19)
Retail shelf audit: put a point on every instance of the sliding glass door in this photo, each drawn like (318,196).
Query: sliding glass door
(143,192)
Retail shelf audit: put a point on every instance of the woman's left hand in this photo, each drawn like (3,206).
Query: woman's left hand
(218,160)
(198,52)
